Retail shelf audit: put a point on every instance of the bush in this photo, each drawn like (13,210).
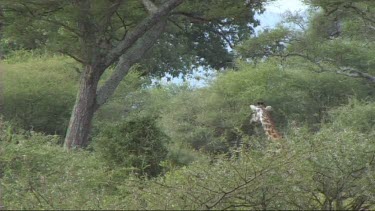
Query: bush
(215,117)
(359,116)
(137,143)
(39,92)
(327,170)
(35,173)
(338,169)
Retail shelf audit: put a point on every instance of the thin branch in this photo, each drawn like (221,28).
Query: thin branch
(43,14)
(132,56)
(360,12)
(234,206)
(72,56)
(351,72)
(140,30)
(193,18)
(347,71)
(238,187)
(176,24)
(150,6)
(220,32)
(74,31)
(123,25)
(106,19)
(322,69)
(38,196)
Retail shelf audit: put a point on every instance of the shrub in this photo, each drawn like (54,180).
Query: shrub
(214,117)
(35,173)
(357,115)
(137,143)
(39,92)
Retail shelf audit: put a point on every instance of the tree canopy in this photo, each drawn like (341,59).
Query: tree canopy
(339,37)
(180,146)
(100,34)
(198,32)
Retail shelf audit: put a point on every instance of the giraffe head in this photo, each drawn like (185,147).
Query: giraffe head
(260,111)
(261,114)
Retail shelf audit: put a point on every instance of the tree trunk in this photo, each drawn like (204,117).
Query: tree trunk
(1,200)
(1,70)
(2,207)
(83,112)
(129,51)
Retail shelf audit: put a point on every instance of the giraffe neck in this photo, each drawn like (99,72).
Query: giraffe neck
(269,128)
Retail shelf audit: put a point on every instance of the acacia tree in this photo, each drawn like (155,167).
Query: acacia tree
(104,33)
(338,37)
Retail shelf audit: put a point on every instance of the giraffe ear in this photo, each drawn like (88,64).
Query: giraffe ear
(253,107)
(268,108)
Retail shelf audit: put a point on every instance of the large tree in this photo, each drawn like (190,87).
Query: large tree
(119,33)
(337,37)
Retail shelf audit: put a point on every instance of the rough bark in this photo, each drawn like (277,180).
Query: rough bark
(1,112)
(83,112)
(127,60)
(1,90)
(1,99)
(129,51)
(1,70)
(1,199)
(141,29)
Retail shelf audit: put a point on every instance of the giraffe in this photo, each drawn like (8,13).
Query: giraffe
(261,113)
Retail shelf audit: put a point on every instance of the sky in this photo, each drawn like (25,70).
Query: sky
(268,19)
(281,6)
(274,11)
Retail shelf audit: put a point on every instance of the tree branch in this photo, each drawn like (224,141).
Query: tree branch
(322,69)
(72,56)
(351,72)
(106,19)
(360,12)
(126,61)
(222,35)
(42,16)
(176,24)
(123,25)
(105,23)
(74,31)
(193,18)
(140,30)
(150,6)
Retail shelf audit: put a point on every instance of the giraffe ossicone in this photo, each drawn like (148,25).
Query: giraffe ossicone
(261,114)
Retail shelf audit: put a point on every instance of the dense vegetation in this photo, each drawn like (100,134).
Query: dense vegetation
(183,147)
(163,36)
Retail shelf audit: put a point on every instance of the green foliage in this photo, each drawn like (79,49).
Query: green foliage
(37,174)
(141,162)
(249,183)
(338,38)
(135,143)
(6,131)
(39,91)
(196,27)
(270,42)
(215,118)
(116,108)
(330,170)
(339,167)
(356,116)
